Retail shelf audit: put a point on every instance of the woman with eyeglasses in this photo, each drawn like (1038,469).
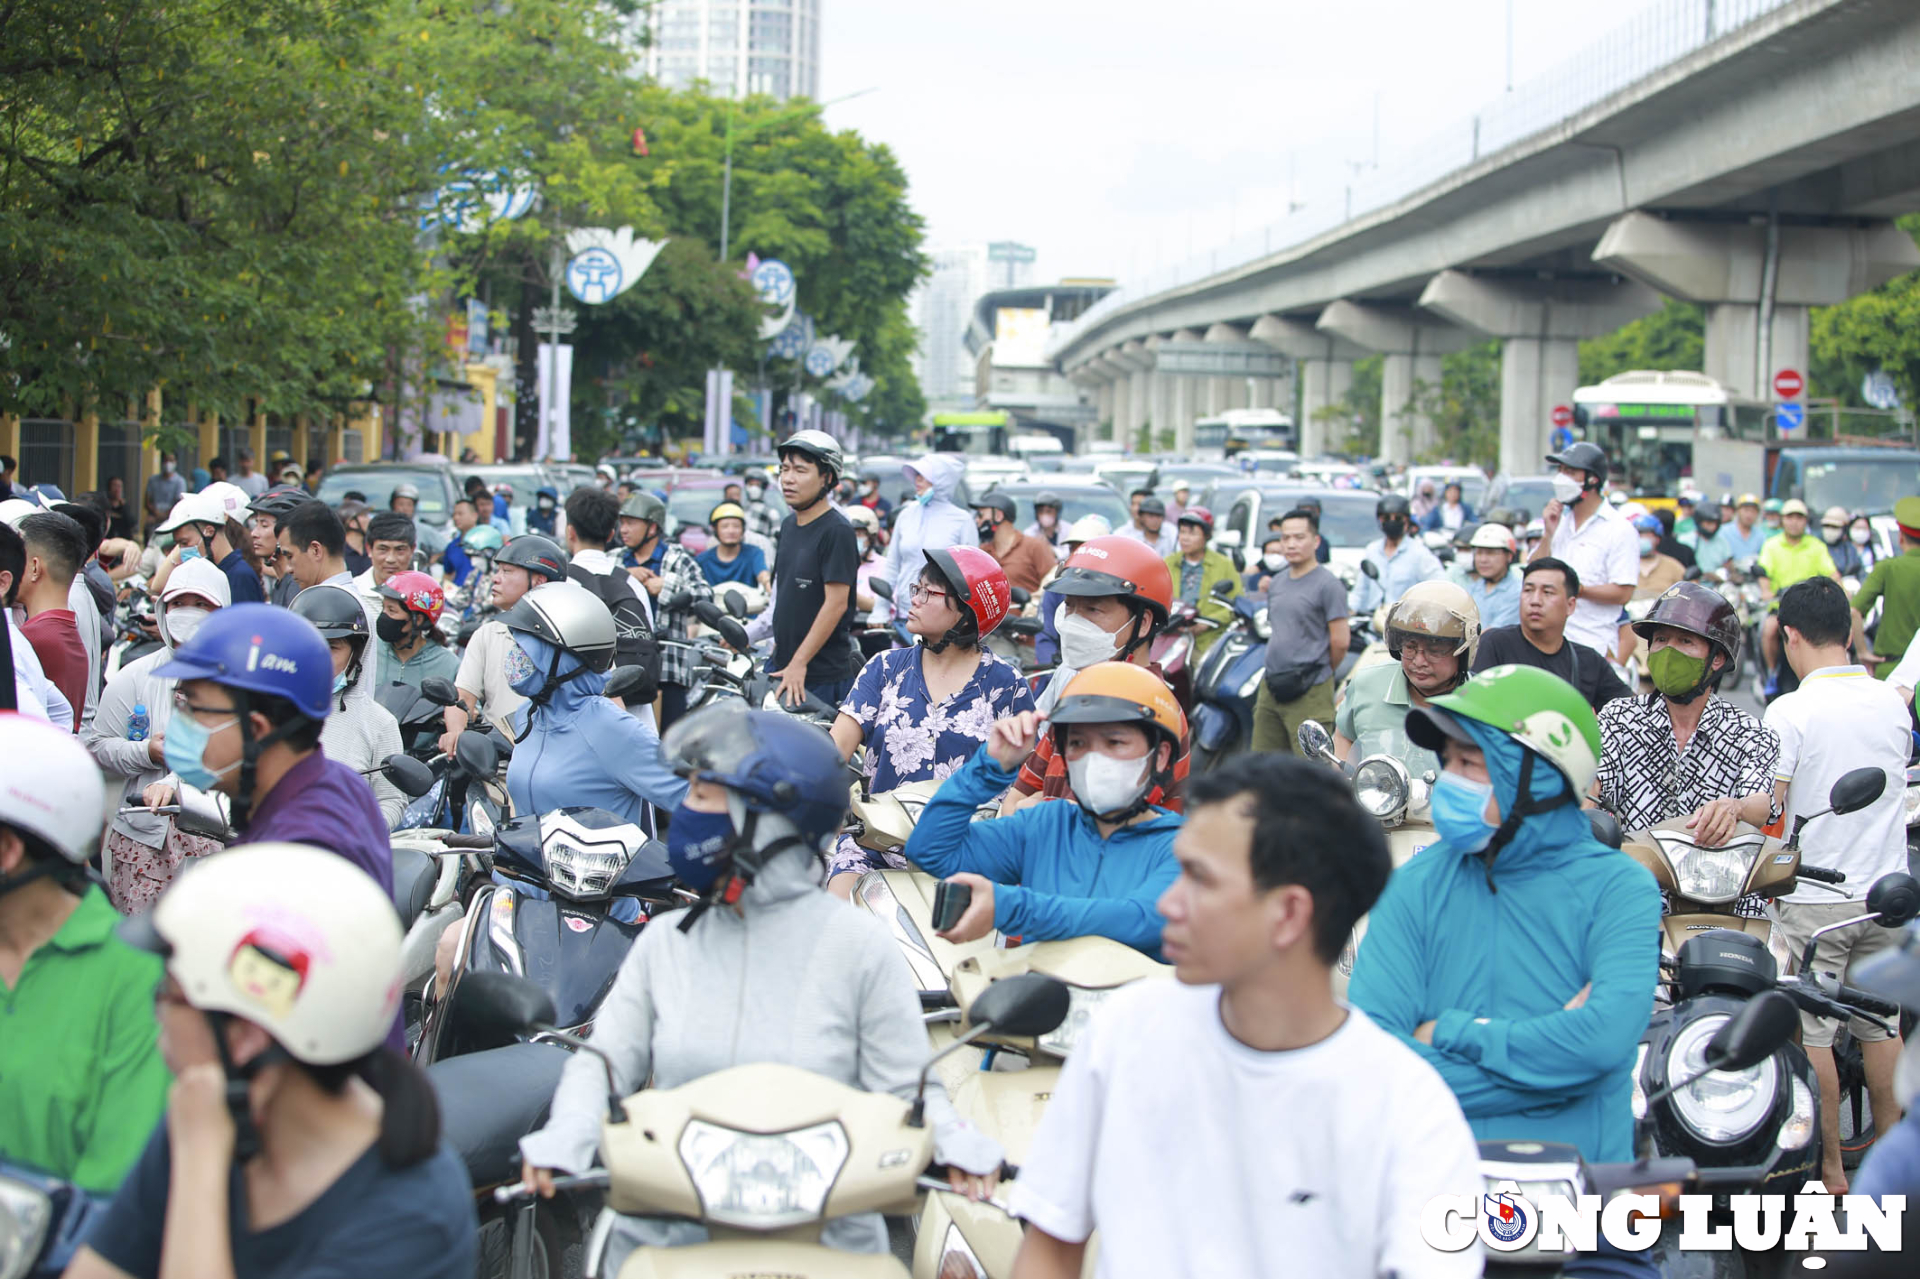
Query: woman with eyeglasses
(922,712)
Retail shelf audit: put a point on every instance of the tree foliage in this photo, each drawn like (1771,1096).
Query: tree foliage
(1877,330)
(1464,408)
(1673,337)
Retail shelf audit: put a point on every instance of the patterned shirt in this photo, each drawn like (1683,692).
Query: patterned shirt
(1645,780)
(908,738)
(678,569)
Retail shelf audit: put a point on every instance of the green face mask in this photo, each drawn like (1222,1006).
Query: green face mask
(1674,672)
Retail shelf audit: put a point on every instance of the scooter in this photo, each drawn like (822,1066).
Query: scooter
(765,1155)
(464,792)
(43,1221)
(422,712)
(1226,682)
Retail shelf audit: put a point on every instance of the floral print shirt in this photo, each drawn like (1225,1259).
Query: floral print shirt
(909,739)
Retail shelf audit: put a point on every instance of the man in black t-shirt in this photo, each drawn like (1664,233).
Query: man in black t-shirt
(813,612)
(1547,594)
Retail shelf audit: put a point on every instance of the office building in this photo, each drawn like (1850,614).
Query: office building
(738,47)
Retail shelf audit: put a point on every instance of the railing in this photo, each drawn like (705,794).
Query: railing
(1656,38)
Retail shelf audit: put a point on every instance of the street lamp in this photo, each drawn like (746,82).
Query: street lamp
(726,180)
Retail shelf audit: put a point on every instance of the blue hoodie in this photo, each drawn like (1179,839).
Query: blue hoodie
(1493,958)
(934,525)
(1053,876)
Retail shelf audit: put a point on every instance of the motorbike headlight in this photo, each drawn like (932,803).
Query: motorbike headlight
(957,1259)
(1082,1003)
(584,870)
(1710,875)
(500,928)
(763,1181)
(25,1212)
(873,892)
(1382,786)
(478,822)
(1798,1130)
(1722,1105)
(1252,687)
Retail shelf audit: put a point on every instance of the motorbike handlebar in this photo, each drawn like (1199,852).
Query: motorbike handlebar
(1821,874)
(519,1190)
(468,841)
(1868,1003)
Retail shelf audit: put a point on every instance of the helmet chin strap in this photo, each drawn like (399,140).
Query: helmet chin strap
(250,749)
(547,690)
(738,876)
(246,1134)
(1524,806)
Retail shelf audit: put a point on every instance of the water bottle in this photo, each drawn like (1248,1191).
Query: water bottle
(138,724)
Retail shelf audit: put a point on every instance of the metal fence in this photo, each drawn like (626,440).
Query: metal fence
(279,439)
(119,454)
(46,452)
(1658,37)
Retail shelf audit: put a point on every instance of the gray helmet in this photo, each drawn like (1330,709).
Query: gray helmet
(1583,456)
(997,502)
(644,506)
(568,616)
(821,447)
(536,554)
(405,490)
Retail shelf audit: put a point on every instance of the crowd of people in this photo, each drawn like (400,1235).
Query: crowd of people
(211,1028)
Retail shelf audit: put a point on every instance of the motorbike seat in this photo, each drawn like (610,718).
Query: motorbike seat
(490,1100)
(414,874)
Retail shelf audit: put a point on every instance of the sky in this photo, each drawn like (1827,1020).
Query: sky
(1117,136)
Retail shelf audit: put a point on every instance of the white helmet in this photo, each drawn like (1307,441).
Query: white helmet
(231,497)
(195,508)
(1088,527)
(50,787)
(1492,536)
(862,517)
(297,940)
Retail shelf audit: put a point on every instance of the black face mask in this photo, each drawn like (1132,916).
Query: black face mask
(986,530)
(391,629)
(1393,527)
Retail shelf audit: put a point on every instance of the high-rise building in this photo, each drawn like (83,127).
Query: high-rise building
(942,307)
(739,47)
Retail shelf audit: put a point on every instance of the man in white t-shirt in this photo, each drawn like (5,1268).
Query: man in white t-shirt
(1839,719)
(1586,532)
(1240,1120)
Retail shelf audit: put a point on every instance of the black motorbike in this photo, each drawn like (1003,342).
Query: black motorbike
(458,792)
(422,712)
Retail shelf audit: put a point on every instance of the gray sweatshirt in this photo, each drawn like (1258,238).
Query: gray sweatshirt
(798,977)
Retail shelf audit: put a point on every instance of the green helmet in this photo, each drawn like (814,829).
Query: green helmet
(644,506)
(1772,505)
(1536,708)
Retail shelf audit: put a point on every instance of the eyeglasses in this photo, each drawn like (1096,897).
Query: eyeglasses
(1430,646)
(920,593)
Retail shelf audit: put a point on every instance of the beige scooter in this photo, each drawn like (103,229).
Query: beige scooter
(764,1155)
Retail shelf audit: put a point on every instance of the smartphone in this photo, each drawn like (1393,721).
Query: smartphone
(950,901)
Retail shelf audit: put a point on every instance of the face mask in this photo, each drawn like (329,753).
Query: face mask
(861,544)
(184,744)
(340,682)
(1081,642)
(1861,536)
(1274,561)
(168,467)
(1567,489)
(754,491)
(190,553)
(1831,534)
(1458,807)
(183,622)
(390,629)
(1673,672)
(1647,546)
(1046,519)
(546,504)
(923,498)
(1394,527)
(986,530)
(1103,785)
(523,676)
(697,846)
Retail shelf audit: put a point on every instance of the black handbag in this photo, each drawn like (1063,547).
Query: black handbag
(1291,683)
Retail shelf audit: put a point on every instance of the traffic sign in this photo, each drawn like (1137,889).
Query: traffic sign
(1789,417)
(1563,415)
(1877,389)
(1787,384)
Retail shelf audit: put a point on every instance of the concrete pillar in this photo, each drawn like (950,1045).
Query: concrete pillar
(1323,384)
(1412,344)
(1726,267)
(1541,323)
(1323,369)
(1138,361)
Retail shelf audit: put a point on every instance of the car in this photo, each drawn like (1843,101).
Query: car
(1199,477)
(984,472)
(1347,521)
(1471,479)
(377,480)
(693,498)
(1076,500)
(1269,461)
(1126,474)
(565,477)
(1529,493)
(526,478)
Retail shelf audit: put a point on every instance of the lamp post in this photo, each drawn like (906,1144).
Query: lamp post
(726,166)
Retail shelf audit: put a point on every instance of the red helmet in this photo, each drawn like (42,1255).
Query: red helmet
(1119,565)
(1197,515)
(417,593)
(977,581)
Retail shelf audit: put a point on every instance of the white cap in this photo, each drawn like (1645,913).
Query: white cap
(15,509)
(198,577)
(195,508)
(50,786)
(232,498)
(1088,527)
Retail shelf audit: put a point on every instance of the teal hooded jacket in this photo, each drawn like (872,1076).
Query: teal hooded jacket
(1493,954)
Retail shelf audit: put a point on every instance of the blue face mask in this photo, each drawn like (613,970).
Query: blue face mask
(526,672)
(185,743)
(190,553)
(1458,807)
(696,846)
(339,683)
(923,498)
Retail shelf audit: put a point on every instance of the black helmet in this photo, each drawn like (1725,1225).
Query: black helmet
(997,502)
(279,501)
(336,613)
(536,554)
(1046,497)
(1583,456)
(1392,504)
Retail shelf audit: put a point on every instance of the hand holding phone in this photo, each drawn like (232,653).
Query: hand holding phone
(950,901)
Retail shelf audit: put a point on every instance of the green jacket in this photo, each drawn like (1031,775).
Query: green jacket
(1214,568)
(82,1083)
(1895,582)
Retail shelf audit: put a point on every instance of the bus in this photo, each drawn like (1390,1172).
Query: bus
(1648,422)
(981,434)
(1237,430)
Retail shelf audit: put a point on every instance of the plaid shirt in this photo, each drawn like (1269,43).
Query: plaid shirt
(762,519)
(679,571)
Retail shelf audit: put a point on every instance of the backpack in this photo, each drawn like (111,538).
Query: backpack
(635,643)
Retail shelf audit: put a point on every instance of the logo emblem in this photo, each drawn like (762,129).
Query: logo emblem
(578,925)
(1506,1216)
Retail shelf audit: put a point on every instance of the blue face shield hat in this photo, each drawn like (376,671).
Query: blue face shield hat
(1523,785)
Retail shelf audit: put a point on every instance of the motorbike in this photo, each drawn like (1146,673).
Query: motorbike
(764,1155)
(464,792)
(422,711)
(1226,682)
(43,1221)
(136,628)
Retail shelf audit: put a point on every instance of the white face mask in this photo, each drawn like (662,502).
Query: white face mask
(1103,785)
(183,622)
(1566,488)
(1832,535)
(1274,561)
(1081,642)
(1861,536)
(1648,545)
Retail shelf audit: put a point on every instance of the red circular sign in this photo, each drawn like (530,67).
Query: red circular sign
(1563,415)
(1788,383)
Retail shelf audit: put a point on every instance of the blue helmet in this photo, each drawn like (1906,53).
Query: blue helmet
(483,538)
(1648,524)
(257,648)
(772,761)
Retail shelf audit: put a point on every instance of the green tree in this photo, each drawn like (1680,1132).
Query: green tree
(1877,330)
(1464,407)
(1673,337)
(1352,422)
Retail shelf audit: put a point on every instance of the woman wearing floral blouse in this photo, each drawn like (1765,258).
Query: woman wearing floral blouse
(922,712)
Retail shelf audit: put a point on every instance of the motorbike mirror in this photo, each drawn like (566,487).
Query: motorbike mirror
(409,776)
(1693,574)
(1314,740)
(1223,589)
(735,635)
(501,1003)
(707,611)
(475,754)
(203,813)
(1857,790)
(439,690)
(880,586)
(1024,1004)
(1020,596)
(1371,569)
(625,681)
(736,603)
(1761,1027)
(1894,898)
(1606,827)
(675,602)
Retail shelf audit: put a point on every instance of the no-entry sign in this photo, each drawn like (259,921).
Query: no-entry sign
(1787,384)
(1563,415)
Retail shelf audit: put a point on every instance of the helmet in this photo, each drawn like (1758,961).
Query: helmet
(1116,565)
(1617,498)
(1583,456)
(1691,497)
(231,498)
(1122,693)
(644,506)
(404,490)
(536,554)
(770,761)
(1151,506)
(1046,497)
(1646,523)
(1771,505)
(335,612)
(607,470)
(1088,527)
(483,538)
(1748,499)
(734,511)
(1439,609)
(1197,515)
(195,508)
(258,648)
(278,501)
(1836,516)
(570,617)
(1493,537)
(200,578)
(1697,610)
(821,447)
(416,592)
(295,939)
(51,788)
(861,517)
(997,502)
(1392,504)
(1536,708)
(978,583)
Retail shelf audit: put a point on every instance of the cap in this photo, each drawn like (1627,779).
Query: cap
(1748,499)
(1906,513)
(1793,506)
